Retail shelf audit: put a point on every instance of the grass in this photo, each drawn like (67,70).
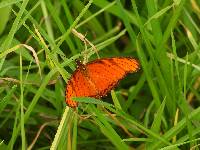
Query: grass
(155,108)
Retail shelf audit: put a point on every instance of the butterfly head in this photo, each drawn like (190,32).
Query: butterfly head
(80,64)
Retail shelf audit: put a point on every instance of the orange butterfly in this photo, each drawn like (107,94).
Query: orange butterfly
(98,77)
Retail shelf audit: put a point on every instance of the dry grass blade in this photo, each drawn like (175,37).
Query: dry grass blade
(4,53)
(38,134)
(85,40)
(34,55)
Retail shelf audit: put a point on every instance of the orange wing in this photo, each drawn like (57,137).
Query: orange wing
(106,73)
(98,77)
(78,86)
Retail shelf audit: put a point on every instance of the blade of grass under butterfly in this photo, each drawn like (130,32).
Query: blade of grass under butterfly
(91,100)
(107,129)
(63,129)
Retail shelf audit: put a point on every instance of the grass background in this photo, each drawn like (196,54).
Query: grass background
(156,108)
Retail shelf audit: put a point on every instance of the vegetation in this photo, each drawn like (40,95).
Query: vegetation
(155,108)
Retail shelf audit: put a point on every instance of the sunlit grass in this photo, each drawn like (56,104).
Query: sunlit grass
(155,108)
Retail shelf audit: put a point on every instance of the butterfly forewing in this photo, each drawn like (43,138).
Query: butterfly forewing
(106,73)
(78,86)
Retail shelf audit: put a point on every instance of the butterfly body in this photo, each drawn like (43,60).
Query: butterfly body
(98,77)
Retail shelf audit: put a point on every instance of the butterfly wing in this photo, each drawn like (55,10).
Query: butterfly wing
(77,86)
(106,73)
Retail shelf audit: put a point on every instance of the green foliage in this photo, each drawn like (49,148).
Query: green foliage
(155,108)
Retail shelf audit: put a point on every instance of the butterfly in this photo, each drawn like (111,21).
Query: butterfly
(97,78)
